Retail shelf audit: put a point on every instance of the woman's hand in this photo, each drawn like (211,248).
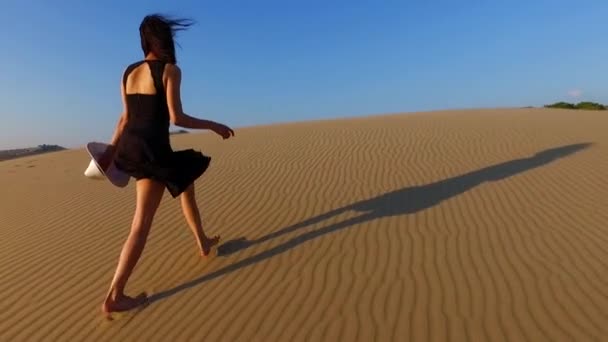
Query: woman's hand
(222,130)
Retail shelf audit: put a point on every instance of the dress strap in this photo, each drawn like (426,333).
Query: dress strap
(157,68)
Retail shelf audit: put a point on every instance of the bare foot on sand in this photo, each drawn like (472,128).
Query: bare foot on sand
(208,244)
(122,303)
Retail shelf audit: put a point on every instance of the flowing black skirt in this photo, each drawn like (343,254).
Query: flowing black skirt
(154,159)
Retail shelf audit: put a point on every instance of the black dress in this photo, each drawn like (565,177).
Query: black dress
(144,149)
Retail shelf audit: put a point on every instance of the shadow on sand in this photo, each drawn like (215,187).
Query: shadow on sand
(400,202)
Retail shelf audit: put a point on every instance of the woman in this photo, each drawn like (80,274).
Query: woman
(140,146)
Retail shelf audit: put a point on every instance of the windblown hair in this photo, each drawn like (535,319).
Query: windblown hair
(157,34)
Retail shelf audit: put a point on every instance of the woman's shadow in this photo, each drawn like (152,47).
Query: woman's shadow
(400,202)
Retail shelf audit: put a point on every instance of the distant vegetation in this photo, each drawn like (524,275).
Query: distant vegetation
(181,131)
(46,148)
(580,105)
(22,152)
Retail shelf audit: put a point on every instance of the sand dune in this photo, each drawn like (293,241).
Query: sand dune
(479,225)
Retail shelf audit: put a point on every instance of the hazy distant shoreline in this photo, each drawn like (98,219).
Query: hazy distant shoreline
(9,154)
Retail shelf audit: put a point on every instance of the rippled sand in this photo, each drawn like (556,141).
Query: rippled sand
(481,225)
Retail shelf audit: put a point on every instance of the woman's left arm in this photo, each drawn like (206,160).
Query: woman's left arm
(108,155)
(122,121)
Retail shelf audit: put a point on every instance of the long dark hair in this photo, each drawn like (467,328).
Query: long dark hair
(157,32)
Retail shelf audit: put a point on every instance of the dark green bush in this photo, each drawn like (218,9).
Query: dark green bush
(586,105)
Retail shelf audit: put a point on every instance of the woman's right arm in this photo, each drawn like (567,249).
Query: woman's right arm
(176,113)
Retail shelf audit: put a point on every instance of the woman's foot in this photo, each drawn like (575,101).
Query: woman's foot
(122,303)
(208,244)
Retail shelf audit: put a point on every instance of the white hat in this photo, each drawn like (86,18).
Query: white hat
(94,171)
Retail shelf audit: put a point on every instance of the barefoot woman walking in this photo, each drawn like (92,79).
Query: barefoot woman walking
(150,91)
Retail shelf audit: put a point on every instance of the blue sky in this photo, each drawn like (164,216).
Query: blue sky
(257,62)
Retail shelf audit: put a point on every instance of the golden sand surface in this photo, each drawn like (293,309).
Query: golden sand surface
(465,225)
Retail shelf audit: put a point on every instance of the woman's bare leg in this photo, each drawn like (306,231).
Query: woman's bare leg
(193,217)
(149,195)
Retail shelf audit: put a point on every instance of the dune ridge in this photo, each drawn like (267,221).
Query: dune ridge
(467,225)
